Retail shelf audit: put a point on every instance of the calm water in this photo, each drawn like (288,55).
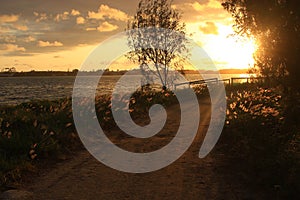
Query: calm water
(15,90)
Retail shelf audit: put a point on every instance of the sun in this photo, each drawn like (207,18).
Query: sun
(226,50)
(229,51)
(232,51)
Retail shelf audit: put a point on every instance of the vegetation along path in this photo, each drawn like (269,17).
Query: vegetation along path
(83,177)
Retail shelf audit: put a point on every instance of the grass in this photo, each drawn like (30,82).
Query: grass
(43,130)
(260,138)
(257,134)
(33,131)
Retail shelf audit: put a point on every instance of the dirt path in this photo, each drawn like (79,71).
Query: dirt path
(83,177)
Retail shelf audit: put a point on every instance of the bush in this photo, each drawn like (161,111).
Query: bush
(31,132)
(256,131)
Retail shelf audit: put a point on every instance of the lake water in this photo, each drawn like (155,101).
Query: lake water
(15,90)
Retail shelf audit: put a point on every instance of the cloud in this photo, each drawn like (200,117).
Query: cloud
(29,39)
(75,12)
(9,18)
(209,28)
(11,47)
(62,16)
(40,16)
(49,44)
(105,11)
(7,38)
(107,27)
(197,11)
(203,6)
(80,20)
(21,27)
(91,29)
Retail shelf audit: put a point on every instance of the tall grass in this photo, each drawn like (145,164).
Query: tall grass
(257,136)
(35,131)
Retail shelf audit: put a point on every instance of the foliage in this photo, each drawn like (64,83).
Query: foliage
(276,25)
(257,134)
(157,38)
(35,131)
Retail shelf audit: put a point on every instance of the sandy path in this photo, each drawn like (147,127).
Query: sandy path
(83,177)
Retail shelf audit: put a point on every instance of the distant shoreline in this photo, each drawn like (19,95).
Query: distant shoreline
(107,72)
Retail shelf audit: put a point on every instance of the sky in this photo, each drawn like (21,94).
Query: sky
(59,35)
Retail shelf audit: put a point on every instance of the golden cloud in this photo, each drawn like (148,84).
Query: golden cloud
(29,39)
(210,10)
(8,18)
(62,16)
(80,20)
(49,44)
(75,12)
(11,47)
(40,16)
(21,27)
(107,27)
(108,12)
(209,28)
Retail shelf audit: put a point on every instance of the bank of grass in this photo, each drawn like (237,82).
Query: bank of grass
(44,130)
(263,144)
(256,135)
(31,132)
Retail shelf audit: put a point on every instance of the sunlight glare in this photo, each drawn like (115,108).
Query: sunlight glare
(232,51)
(227,51)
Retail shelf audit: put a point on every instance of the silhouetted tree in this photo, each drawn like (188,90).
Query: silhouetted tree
(276,25)
(152,26)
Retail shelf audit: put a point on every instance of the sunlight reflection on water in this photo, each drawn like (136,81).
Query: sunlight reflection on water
(15,90)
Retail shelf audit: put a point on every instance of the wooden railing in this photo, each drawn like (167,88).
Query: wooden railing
(229,81)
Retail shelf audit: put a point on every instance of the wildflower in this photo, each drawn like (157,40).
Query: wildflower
(33,156)
(232,105)
(275,114)
(73,135)
(131,110)
(132,100)
(9,135)
(35,123)
(68,125)
(106,119)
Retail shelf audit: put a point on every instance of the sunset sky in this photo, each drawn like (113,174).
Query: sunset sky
(59,35)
